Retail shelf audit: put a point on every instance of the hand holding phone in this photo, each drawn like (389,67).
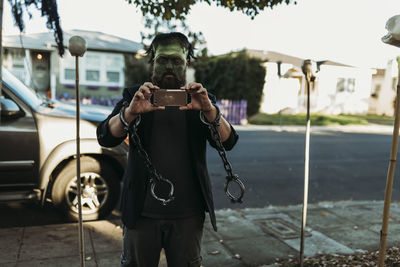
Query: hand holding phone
(170,97)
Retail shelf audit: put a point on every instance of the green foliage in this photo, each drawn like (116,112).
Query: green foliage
(155,25)
(376,119)
(233,76)
(168,9)
(137,70)
(48,9)
(170,15)
(319,119)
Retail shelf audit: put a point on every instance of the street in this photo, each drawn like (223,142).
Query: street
(343,166)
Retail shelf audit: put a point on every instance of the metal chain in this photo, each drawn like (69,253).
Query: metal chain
(155,176)
(215,135)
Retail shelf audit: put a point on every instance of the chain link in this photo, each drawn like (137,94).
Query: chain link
(215,135)
(155,176)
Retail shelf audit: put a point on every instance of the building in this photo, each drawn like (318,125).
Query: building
(339,88)
(383,90)
(34,59)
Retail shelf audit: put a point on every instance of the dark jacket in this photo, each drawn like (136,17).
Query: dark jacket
(136,176)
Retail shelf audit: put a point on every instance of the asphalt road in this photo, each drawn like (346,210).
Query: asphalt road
(343,166)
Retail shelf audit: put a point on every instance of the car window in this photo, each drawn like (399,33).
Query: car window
(25,93)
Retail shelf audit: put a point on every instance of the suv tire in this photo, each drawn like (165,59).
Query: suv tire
(100,189)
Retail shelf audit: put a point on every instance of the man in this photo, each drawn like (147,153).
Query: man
(175,140)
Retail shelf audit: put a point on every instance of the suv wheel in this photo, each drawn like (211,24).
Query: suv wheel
(100,189)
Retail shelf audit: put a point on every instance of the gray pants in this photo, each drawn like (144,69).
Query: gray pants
(180,238)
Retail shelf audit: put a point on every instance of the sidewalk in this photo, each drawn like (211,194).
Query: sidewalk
(245,237)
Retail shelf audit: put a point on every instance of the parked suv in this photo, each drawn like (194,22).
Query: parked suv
(38,153)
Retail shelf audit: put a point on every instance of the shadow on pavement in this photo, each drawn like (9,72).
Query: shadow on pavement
(20,214)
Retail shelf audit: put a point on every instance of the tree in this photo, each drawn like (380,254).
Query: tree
(167,15)
(48,8)
(233,76)
(137,70)
(172,9)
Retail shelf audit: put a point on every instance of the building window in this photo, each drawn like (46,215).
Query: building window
(375,92)
(16,63)
(92,75)
(394,83)
(114,66)
(93,67)
(96,69)
(346,85)
(18,59)
(112,76)
(69,74)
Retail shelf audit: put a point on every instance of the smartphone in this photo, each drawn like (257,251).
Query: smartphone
(170,97)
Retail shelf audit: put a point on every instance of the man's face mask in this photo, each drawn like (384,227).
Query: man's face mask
(169,67)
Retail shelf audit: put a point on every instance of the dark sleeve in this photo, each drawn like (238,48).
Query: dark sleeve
(229,143)
(104,136)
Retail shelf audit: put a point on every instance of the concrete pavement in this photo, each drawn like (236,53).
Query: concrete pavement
(245,237)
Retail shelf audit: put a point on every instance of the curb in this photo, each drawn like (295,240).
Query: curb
(373,128)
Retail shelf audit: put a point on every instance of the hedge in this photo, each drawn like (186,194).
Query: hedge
(233,76)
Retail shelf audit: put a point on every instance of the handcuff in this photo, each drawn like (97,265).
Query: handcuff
(222,153)
(157,177)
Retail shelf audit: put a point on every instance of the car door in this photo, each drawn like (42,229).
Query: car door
(19,146)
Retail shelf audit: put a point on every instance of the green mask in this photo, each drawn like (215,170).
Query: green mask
(169,68)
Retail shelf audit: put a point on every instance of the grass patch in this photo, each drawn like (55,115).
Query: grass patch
(383,120)
(319,119)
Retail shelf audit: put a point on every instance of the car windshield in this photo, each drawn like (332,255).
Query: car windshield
(28,95)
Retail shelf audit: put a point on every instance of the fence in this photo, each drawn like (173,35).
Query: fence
(234,111)
(91,100)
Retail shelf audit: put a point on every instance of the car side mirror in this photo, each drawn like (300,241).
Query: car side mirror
(8,108)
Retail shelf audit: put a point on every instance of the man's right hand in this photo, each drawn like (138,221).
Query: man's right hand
(141,102)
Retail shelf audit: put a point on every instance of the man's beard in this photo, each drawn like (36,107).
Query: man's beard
(170,82)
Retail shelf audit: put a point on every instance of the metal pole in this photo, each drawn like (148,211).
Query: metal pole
(78,165)
(306,173)
(77,47)
(279,64)
(390,175)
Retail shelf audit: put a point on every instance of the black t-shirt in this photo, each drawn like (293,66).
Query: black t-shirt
(170,155)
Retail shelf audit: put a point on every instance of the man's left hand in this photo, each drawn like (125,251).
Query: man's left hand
(199,98)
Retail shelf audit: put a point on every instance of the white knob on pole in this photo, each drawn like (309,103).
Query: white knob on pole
(77,46)
(309,68)
(393,28)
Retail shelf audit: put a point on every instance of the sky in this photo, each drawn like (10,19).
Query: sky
(346,31)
